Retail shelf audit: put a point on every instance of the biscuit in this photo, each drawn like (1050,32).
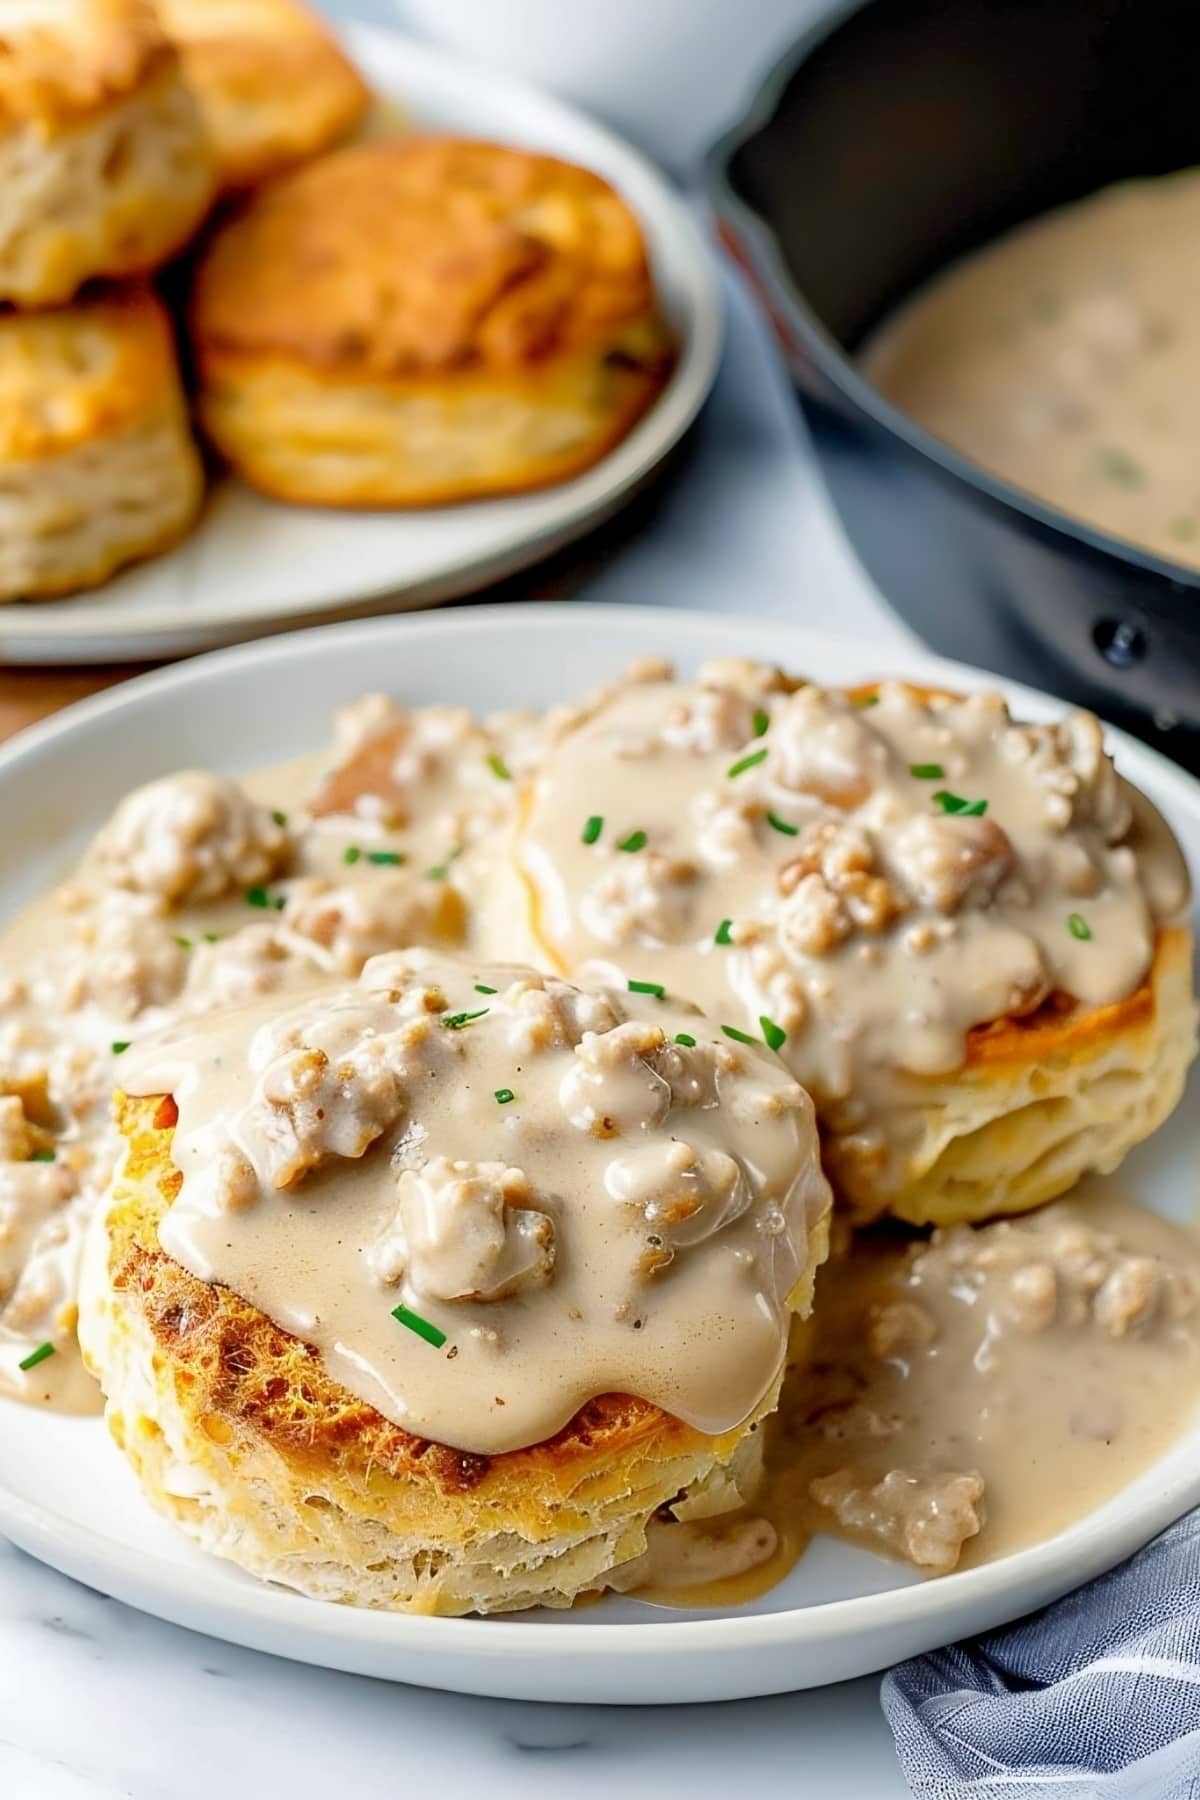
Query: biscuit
(105,168)
(252,1439)
(1040,1102)
(477,320)
(967,936)
(273,86)
(97,466)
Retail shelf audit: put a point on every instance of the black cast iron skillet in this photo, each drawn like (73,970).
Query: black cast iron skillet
(902,134)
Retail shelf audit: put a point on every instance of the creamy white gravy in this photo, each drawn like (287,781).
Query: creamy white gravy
(1066,358)
(175,918)
(577,1202)
(201,894)
(953,1399)
(862,883)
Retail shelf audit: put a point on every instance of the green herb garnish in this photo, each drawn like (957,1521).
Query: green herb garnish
(498,766)
(481,987)
(774,1036)
(778,824)
(213,937)
(456,1021)
(722,934)
(747,762)
(120,1046)
(1078,927)
(927,771)
(185,943)
(433,1334)
(1120,467)
(351,854)
(280,818)
(762,720)
(504,1095)
(739,1037)
(43,1156)
(592,829)
(960,808)
(865,700)
(441,870)
(388,859)
(637,840)
(35,1357)
(686,1039)
(258,896)
(648,987)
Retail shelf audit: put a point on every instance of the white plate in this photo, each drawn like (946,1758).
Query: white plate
(253,566)
(66,1494)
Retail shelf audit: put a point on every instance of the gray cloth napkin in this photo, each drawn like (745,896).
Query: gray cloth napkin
(1096,1698)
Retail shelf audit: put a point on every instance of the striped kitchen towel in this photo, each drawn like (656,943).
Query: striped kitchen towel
(1096,1698)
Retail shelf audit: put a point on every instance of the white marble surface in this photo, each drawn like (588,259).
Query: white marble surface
(98,1702)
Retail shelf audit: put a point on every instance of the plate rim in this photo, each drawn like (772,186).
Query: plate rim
(1081,1551)
(55,632)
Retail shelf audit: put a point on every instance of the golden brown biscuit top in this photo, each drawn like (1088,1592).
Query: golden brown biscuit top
(61,60)
(80,372)
(272,82)
(424,254)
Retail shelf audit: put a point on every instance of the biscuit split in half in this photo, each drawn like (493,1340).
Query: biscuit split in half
(105,167)
(426,320)
(97,465)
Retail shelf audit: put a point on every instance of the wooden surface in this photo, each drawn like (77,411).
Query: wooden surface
(27,695)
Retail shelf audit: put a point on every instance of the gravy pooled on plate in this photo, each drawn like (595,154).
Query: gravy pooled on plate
(1065,358)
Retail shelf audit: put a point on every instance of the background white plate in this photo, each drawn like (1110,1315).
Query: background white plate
(66,1494)
(254,566)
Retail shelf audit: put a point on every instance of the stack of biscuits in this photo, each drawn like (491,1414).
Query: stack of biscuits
(402,321)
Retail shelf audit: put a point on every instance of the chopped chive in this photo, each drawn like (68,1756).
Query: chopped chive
(774,1036)
(213,937)
(747,762)
(1120,467)
(503,1096)
(185,943)
(35,1357)
(865,700)
(739,1037)
(388,859)
(592,829)
(440,871)
(1078,927)
(648,987)
(686,1039)
(43,1156)
(433,1334)
(120,1046)
(722,934)
(481,987)
(351,853)
(762,720)
(637,840)
(456,1021)
(778,824)
(960,808)
(927,771)
(280,818)
(258,896)
(498,766)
